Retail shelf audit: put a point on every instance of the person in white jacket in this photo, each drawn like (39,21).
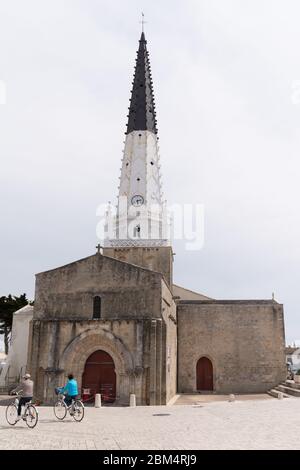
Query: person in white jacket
(26,387)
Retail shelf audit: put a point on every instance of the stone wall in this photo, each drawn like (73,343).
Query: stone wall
(126,291)
(134,328)
(61,347)
(158,259)
(16,362)
(243,339)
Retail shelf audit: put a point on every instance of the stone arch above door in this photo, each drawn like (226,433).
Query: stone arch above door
(82,346)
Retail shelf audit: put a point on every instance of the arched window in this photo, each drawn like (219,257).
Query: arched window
(97,307)
(137,232)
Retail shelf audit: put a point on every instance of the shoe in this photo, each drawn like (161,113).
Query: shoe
(18,418)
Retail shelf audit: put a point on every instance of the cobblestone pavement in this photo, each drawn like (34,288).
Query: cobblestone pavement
(198,398)
(249,424)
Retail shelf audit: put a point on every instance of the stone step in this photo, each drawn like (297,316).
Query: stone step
(291,383)
(289,390)
(275,393)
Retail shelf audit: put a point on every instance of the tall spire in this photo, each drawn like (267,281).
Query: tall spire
(142,115)
(140,219)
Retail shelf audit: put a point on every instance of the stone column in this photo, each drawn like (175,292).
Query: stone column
(33,351)
(138,360)
(124,389)
(164,359)
(153,363)
(158,361)
(30,346)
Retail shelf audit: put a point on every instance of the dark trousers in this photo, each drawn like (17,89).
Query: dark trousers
(69,398)
(22,402)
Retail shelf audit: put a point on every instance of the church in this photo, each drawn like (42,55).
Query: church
(117,321)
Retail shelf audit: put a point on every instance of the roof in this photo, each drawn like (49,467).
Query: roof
(290,349)
(142,268)
(187,294)
(24,310)
(141,114)
(231,302)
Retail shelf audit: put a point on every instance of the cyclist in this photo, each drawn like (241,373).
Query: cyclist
(26,387)
(70,389)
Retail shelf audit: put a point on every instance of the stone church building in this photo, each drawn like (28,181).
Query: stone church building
(118,322)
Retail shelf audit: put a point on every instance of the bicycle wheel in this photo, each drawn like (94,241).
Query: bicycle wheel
(11,414)
(31,416)
(78,410)
(60,409)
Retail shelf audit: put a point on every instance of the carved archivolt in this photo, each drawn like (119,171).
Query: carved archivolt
(80,348)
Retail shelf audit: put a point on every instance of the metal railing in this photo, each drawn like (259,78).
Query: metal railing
(10,380)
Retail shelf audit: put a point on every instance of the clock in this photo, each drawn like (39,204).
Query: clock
(137,200)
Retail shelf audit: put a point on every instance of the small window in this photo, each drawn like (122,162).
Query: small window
(97,308)
(137,231)
(152,163)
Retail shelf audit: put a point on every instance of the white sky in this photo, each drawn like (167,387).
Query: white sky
(228,120)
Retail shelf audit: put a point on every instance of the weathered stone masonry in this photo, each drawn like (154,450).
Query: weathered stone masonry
(134,327)
(243,339)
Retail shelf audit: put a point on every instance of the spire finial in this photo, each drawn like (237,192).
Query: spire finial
(143,22)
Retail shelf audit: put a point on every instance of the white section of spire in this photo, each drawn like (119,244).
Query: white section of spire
(140,174)
(141,214)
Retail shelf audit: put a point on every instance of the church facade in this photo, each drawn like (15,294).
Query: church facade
(117,321)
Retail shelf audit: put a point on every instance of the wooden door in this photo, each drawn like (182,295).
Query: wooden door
(99,376)
(204,374)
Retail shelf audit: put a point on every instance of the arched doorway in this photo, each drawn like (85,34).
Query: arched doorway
(99,376)
(204,373)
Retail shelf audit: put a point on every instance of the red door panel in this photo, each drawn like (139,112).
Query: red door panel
(204,374)
(99,376)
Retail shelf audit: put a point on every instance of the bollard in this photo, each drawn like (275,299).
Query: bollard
(280,396)
(97,400)
(231,397)
(132,400)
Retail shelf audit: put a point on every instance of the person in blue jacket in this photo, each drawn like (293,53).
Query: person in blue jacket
(70,390)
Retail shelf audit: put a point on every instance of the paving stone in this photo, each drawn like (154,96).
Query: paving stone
(247,424)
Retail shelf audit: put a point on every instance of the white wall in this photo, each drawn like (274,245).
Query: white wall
(17,355)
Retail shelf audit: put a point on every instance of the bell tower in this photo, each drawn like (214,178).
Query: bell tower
(139,230)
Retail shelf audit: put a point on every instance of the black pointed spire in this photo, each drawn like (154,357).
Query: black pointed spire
(141,115)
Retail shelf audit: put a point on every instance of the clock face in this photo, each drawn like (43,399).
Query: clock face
(137,200)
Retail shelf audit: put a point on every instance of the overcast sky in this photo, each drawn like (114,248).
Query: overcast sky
(226,80)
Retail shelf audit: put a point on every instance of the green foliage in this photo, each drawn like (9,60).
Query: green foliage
(9,305)
(298,372)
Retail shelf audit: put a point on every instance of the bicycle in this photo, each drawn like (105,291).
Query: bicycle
(76,409)
(30,414)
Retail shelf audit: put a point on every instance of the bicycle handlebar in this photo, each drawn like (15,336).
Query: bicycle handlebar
(16,393)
